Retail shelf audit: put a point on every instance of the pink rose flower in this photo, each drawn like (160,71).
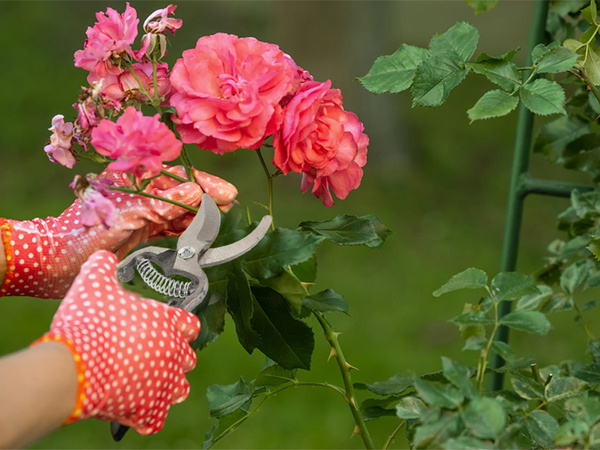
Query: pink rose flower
(110,37)
(138,143)
(96,207)
(344,172)
(227,92)
(322,141)
(164,22)
(59,148)
(124,86)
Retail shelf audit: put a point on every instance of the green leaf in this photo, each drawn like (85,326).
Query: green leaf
(525,387)
(586,409)
(306,271)
(350,230)
(589,373)
(575,274)
(482,5)
(499,71)
(374,408)
(542,427)
(466,443)
(435,78)
(484,417)
(438,394)
(544,97)
(541,49)
(504,350)
(572,432)
(223,400)
(290,288)
(241,304)
(469,279)
(433,433)
(459,42)
(410,408)
(287,341)
(533,322)
(279,249)
(393,386)
(560,388)
(212,320)
(553,137)
(592,66)
(534,301)
(557,59)
(513,285)
(494,103)
(459,376)
(590,13)
(471,319)
(394,73)
(326,301)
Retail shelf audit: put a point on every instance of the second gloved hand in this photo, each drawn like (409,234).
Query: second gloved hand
(131,353)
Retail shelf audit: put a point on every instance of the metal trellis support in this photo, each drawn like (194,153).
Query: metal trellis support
(522,184)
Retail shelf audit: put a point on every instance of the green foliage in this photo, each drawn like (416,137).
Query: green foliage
(267,291)
(432,73)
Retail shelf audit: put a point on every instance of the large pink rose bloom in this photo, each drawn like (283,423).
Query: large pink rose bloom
(110,37)
(227,91)
(138,143)
(322,141)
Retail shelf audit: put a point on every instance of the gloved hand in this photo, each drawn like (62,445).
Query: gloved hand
(43,256)
(131,353)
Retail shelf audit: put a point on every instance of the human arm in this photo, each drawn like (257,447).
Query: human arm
(38,389)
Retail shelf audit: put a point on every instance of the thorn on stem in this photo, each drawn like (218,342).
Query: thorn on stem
(355,431)
(350,367)
(332,353)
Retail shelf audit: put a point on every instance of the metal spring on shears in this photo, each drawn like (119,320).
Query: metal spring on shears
(161,283)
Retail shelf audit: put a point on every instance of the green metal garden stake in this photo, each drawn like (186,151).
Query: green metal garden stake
(522,184)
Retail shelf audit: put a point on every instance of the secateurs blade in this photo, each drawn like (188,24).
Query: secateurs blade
(193,252)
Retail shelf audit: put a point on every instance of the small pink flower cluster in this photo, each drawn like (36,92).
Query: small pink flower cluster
(228,93)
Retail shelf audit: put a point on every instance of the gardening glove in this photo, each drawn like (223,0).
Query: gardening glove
(43,256)
(131,353)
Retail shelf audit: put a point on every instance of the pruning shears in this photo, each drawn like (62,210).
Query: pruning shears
(193,252)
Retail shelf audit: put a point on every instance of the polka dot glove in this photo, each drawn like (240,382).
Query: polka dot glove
(44,255)
(131,353)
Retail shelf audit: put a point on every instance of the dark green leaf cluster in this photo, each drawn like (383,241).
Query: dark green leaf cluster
(266,291)
(432,73)
(552,407)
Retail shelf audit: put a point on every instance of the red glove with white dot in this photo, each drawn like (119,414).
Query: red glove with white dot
(43,256)
(131,353)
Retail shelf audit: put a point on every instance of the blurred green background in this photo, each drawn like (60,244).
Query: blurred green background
(439,183)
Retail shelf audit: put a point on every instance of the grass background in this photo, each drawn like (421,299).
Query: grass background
(439,183)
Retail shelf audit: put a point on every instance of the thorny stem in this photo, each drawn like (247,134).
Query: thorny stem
(130,190)
(336,351)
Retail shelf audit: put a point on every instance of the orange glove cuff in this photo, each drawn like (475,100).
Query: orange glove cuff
(79,365)
(6,231)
